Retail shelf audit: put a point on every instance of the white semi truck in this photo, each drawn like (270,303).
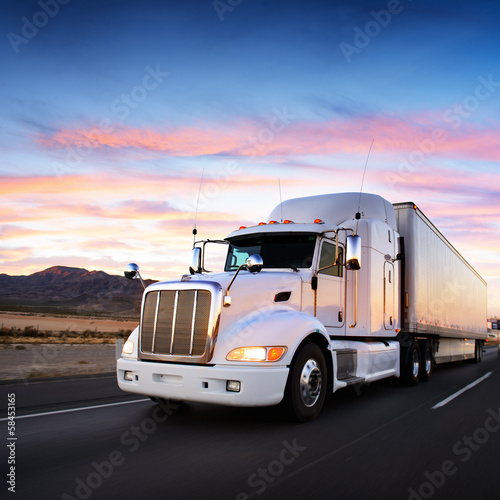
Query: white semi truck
(332,290)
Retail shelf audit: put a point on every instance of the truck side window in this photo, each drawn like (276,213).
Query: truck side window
(327,258)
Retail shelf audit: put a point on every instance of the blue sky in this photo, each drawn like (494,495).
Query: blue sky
(112,109)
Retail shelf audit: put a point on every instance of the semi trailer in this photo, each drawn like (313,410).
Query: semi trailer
(330,291)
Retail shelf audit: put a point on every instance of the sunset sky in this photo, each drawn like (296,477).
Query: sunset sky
(111,110)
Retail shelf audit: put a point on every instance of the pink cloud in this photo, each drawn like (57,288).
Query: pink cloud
(392,134)
(8,232)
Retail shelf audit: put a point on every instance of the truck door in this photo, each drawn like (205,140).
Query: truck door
(331,289)
(388,295)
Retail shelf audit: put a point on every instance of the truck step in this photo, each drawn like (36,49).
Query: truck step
(352,380)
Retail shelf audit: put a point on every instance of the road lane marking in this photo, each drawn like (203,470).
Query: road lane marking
(461,391)
(18,417)
(328,455)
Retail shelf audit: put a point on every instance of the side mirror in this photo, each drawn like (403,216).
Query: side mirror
(132,272)
(254,263)
(353,253)
(195,266)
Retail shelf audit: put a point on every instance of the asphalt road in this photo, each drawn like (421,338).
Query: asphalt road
(383,441)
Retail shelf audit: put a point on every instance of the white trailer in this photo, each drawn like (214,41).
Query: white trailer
(330,291)
(444,298)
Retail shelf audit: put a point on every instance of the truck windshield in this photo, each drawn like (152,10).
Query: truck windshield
(277,250)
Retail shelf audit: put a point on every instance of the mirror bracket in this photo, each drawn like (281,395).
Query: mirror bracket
(254,264)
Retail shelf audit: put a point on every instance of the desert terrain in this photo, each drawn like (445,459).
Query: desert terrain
(40,345)
(63,323)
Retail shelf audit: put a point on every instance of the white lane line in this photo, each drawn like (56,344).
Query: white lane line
(18,417)
(30,381)
(461,391)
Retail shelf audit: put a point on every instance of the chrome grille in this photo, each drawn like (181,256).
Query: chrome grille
(175,322)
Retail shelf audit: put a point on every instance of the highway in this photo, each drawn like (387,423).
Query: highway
(83,438)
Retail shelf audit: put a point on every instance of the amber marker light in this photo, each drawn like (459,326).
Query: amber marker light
(275,353)
(273,222)
(243,227)
(288,221)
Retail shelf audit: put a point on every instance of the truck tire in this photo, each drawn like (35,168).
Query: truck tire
(411,366)
(307,383)
(426,361)
(478,352)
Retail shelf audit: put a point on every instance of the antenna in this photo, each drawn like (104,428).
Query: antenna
(281,201)
(358,213)
(195,231)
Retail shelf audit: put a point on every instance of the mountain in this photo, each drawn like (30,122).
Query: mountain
(72,290)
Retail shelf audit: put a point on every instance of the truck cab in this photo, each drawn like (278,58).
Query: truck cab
(305,305)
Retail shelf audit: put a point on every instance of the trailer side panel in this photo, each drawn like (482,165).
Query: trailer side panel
(443,294)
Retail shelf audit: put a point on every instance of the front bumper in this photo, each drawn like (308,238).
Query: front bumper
(260,385)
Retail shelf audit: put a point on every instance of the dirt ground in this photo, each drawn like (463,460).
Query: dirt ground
(35,358)
(28,361)
(64,323)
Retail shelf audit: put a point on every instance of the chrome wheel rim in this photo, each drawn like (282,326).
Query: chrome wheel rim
(428,361)
(416,363)
(310,383)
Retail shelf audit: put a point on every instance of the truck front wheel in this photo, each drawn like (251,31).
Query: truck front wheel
(307,383)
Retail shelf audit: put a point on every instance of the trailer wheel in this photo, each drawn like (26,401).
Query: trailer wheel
(478,352)
(307,383)
(426,362)
(410,371)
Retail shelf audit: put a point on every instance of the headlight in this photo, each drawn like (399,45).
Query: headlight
(256,354)
(128,347)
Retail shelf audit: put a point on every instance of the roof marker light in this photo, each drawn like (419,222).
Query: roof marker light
(243,227)
(273,222)
(262,223)
(288,221)
(318,221)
